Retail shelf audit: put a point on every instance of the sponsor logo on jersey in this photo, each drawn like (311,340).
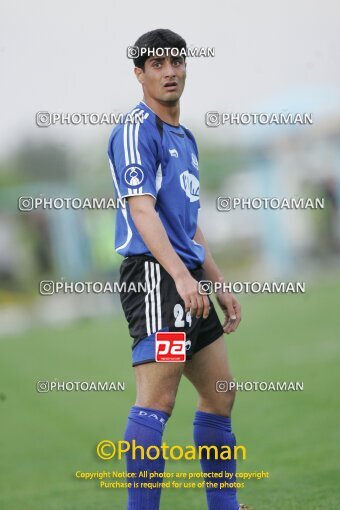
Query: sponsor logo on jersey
(194,160)
(190,184)
(173,153)
(134,176)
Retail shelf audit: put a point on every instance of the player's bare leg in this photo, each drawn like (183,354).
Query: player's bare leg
(212,424)
(157,385)
(208,366)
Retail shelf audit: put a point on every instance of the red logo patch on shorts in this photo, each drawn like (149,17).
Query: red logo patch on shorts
(170,346)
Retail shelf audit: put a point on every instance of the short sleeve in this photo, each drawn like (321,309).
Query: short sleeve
(134,158)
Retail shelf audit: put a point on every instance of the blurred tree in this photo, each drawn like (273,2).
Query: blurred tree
(43,162)
(216,164)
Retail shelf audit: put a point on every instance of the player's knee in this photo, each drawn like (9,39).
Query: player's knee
(221,403)
(164,402)
(225,404)
(230,397)
(167,403)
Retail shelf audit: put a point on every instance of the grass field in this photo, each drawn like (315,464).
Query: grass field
(45,438)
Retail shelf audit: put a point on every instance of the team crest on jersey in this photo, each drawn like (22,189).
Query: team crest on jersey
(187,344)
(173,153)
(134,176)
(191,185)
(194,160)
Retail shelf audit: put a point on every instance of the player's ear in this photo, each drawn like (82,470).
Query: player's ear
(139,73)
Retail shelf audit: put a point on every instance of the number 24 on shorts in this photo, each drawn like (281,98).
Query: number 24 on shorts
(179,314)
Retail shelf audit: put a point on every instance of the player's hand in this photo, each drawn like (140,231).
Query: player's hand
(187,288)
(231,309)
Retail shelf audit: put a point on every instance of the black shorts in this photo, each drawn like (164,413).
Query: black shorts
(151,303)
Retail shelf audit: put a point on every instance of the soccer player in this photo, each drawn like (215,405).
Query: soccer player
(154,164)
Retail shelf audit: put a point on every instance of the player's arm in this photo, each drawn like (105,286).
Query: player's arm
(153,233)
(226,300)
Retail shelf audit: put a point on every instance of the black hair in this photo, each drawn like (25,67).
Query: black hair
(159,38)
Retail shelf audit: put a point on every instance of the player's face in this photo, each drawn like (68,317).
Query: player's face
(163,79)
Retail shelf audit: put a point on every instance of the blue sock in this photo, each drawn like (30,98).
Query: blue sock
(212,429)
(145,426)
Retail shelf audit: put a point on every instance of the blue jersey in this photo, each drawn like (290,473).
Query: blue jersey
(150,157)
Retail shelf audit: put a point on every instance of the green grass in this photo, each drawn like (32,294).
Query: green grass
(45,438)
